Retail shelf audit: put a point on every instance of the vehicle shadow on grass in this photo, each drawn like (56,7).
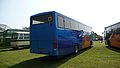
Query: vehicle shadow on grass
(46,61)
(10,49)
(113,48)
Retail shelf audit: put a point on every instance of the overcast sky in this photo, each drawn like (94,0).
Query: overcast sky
(95,13)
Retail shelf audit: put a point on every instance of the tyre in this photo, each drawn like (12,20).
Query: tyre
(76,49)
(15,48)
(26,47)
(91,43)
(108,42)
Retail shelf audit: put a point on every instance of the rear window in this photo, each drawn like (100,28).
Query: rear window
(45,18)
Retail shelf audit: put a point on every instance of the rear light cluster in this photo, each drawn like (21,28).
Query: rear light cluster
(54,44)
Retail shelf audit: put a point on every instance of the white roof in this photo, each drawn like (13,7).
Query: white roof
(23,32)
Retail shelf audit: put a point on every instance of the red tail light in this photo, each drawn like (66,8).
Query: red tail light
(54,47)
(54,41)
(54,44)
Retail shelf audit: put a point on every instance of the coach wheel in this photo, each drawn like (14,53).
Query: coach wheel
(26,47)
(15,48)
(108,42)
(76,49)
(91,43)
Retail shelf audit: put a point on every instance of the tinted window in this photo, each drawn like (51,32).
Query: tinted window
(20,36)
(26,36)
(74,25)
(60,22)
(118,31)
(42,18)
(67,23)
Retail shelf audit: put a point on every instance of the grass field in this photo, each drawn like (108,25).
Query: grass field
(99,56)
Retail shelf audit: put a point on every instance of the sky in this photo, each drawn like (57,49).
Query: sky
(95,13)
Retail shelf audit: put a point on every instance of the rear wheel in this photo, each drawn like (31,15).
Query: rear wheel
(15,48)
(76,49)
(108,42)
(26,47)
(91,43)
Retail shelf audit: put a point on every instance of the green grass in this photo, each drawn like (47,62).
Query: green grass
(99,56)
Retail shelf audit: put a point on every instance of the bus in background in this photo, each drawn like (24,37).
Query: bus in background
(112,35)
(7,35)
(54,34)
(20,39)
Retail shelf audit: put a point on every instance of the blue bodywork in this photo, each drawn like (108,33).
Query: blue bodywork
(67,40)
(43,35)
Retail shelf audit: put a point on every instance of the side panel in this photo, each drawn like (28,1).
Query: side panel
(115,40)
(67,39)
(19,43)
(85,41)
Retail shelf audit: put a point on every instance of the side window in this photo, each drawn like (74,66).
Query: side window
(20,36)
(60,22)
(76,26)
(81,26)
(84,28)
(113,27)
(72,24)
(26,36)
(67,23)
(118,25)
(87,29)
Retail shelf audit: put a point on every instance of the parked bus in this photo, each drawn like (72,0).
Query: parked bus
(55,34)
(20,39)
(7,35)
(112,35)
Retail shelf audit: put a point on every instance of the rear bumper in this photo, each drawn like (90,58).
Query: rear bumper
(52,53)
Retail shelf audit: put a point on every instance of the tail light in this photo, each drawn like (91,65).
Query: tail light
(54,44)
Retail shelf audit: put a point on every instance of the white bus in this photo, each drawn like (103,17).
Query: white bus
(20,39)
